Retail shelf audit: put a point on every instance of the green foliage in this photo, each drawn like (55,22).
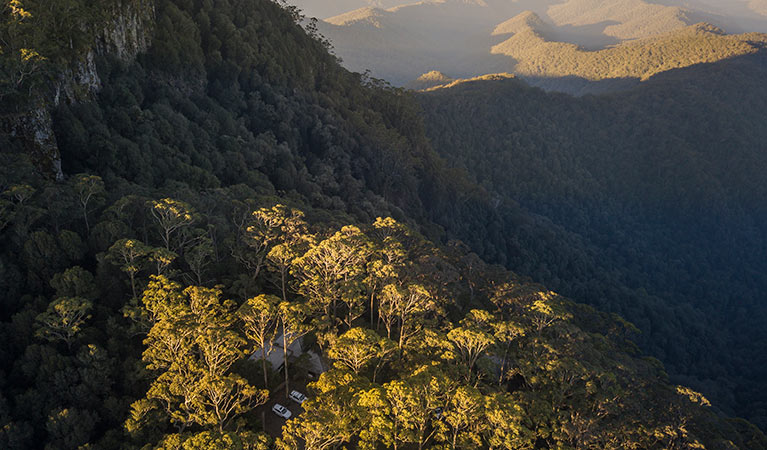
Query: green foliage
(192,346)
(63,319)
(208,148)
(39,39)
(259,316)
(642,203)
(217,441)
(357,348)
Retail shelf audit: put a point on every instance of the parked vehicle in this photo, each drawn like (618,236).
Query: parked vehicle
(281,411)
(297,397)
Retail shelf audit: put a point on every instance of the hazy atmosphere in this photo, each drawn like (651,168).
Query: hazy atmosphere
(400,41)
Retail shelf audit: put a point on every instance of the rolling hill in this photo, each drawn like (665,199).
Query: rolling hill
(464,39)
(550,64)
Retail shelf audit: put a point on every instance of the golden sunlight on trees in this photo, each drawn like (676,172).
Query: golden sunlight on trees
(292,317)
(260,319)
(546,310)
(191,348)
(173,217)
(332,273)
(139,295)
(89,189)
(462,428)
(129,254)
(473,337)
(405,305)
(357,348)
(513,372)
(278,226)
(328,420)
(63,319)
(505,428)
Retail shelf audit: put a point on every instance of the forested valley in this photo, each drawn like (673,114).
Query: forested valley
(657,194)
(233,188)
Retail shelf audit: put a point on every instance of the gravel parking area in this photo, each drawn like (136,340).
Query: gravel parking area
(273,423)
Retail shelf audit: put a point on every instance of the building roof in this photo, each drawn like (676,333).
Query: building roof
(275,354)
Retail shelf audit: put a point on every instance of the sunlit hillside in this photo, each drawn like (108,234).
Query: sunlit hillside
(462,39)
(744,13)
(622,19)
(535,56)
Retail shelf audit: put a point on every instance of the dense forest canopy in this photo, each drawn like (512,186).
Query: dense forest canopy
(662,188)
(234,189)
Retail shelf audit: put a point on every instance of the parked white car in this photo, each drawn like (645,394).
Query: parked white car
(297,397)
(281,411)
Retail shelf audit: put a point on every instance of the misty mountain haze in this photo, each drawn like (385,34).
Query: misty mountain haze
(461,38)
(323,9)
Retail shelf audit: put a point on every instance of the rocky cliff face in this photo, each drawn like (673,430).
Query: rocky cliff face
(129,31)
(127,34)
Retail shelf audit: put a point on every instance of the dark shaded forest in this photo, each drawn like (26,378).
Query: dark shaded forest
(657,195)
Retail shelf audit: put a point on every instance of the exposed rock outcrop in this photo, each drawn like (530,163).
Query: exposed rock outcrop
(126,34)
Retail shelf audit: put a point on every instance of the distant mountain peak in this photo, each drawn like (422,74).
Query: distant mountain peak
(369,14)
(430,80)
(434,75)
(524,21)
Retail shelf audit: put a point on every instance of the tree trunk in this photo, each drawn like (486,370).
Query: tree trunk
(503,364)
(133,283)
(282,279)
(378,366)
(372,308)
(87,225)
(285,353)
(401,333)
(263,364)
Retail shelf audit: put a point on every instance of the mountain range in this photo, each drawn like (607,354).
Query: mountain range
(464,39)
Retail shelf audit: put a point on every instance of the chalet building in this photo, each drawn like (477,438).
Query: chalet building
(275,355)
